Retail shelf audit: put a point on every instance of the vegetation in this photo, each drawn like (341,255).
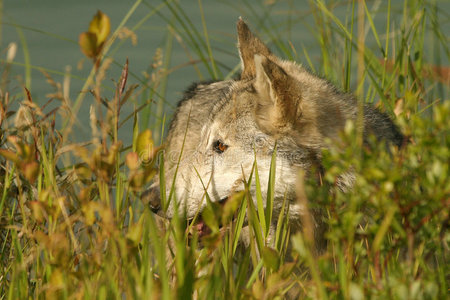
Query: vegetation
(72,224)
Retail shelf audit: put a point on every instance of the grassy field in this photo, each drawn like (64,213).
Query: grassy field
(72,225)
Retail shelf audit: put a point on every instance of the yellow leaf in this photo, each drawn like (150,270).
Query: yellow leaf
(83,172)
(27,152)
(149,174)
(111,155)
(88,44)
(135,231)
(136,179)
(132,160)
(56,279)
(88,210)
(30,170)
(144,146)
(9,155)
(38,210)
(100,26)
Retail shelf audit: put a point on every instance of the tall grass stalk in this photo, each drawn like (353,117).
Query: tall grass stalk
(89,81)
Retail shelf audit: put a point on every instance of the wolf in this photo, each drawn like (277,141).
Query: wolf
(220,128)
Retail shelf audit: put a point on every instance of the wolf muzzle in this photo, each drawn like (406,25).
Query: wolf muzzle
(152,197)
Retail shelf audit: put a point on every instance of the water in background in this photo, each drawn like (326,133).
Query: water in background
(50,29)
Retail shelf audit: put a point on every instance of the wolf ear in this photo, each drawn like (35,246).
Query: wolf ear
(279,96)
(249,45)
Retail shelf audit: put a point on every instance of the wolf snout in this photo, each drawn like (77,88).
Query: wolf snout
(151,196)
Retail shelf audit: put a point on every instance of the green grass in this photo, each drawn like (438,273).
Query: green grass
(72,224)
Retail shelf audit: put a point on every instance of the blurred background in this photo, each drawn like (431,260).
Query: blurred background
(167,39)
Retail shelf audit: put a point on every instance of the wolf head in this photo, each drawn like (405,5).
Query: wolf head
(220,128)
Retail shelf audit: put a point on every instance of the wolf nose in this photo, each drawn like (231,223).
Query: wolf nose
(151,196)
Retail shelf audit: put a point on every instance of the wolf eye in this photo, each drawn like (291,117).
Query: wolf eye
(219,147)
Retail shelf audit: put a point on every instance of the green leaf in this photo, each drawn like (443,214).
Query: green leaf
(231,205)
(260,202)
(239,223)
(209,217)
(271,188)
(271,258)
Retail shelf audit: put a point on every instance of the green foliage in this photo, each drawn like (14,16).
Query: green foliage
(72,224)
(388,234)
